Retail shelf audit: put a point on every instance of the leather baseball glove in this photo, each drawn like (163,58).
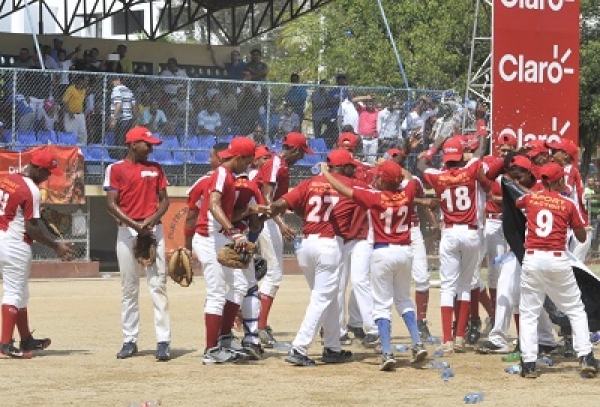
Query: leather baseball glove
(260,267)
(180,267)
(144,250)
(228,257)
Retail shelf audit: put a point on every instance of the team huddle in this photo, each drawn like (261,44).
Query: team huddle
(360,225)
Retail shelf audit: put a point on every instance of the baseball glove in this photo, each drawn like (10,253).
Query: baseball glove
(144,250)
(260,267)
(228,257)
(180,268)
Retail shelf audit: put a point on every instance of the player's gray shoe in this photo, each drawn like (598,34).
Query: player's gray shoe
(459,345)
(163,353)
(253,351)
(371,341)
(9,351)
(388,363)
(488,347)
(332,356)
(128,350)
(418,353)
(296,358)
(266,337)
(217,355)
(34,344)
(589,365)
(359,333)
(529,370)
(423,330)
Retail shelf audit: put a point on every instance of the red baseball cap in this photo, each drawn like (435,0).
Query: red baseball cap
(453,150)
(297,140)
(44,158)
(340,157)
(348,140)
(552,172)
(537,151)
(506,140)
(394,152)
(239,147)
(522,162)
(140,133)
(389,171)
(262,151)
(565,145)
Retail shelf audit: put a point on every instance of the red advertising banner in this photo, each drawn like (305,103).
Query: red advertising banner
(535,54)
(66,189)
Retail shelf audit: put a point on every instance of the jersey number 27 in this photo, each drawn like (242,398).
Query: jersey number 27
(323,205)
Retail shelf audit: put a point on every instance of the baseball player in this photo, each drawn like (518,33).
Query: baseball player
(457,187)
(213,230)
(547,269)
(273,179)
(261,156)
(136,192)
(19,213)
(390,213)
(324,211)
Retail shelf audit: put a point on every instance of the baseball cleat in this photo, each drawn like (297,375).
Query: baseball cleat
(568,350)
(163,353)
(9,351)
(266,337)
(298,359)
(447,348)
(459,345)
(371,341)
(418,353)
(529,370)
(473,333)
(217,355)
(423,330)
(488,347)
(388,363)
(253,351)
(34,344)
(128,350)
(359,333)
(332,356)
(346,340)
(589,365)
(546,349)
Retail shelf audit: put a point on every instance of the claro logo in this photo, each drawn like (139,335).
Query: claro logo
(554,5)
(557,132)
(14,170)
(520,69)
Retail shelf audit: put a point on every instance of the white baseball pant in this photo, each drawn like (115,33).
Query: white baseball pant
(15,266)
(579,249)
(495,246)
(250,307)
(420,271)
(390,278)
(547,272)
(271,249)
(507,304)
(369,148)
(156,277)
(459,254)
(319,259)
(356,258)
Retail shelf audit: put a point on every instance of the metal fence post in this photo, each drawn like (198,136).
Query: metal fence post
(187,129)
(14,110)
(103,132)
(268,124)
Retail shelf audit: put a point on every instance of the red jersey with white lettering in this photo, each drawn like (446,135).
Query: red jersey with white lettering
(223,181)
(549,216)
(19,201)
(326,212)
(246,193)
(420,193)
(138,185)
(196,192)
(274,171)
(457,188)
(575,182)
(389,212)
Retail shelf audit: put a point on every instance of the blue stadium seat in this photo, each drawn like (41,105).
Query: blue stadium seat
(199,157)
(96,153)
(193,143)
(26,138)
(165,157)
(180,155)
(206,142)
(318,145)
(170,141)
(109,138)
(46,137)
(225,139)
(67,138)
(7,136)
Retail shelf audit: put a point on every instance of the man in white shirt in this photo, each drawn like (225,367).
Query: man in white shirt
(172,70)
(388,125)
(348,115)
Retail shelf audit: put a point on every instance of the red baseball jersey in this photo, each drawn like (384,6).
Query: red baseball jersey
(138,185)
(363,172)
(458,190)
(274,171)
(549,216)
(420,193)
(246,193)
(19,201)
(577,191)
(495,190)
(196,192)
(326,212)
(223,181)
(389,212)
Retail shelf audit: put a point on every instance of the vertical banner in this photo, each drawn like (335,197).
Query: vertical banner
(66,189)
(535,54)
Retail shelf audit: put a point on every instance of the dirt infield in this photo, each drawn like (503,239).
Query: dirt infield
(80,367)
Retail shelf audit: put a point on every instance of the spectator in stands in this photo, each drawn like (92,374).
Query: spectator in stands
(57,43)
(296,96)
(74,113)
(23,113)
(153,117)
(249,103)
(64,65)
(420,112)
(234,68)
(173,71)
(50,114)
(227,101)
(258,135)
(347,115)
(49,62)
(122,107)
(125,64)
(289,121)
(367,126)
(179,110)
(95,54)
(23,60)
(86,64)
(335,97)
(388,125)
(320,109)
(209,120)
(257,67)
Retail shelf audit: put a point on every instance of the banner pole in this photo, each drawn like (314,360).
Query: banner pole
(389,32)
(34,34)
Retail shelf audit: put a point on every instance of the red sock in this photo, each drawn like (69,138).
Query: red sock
(9,320)
(474,304)
(213,326)
(463,318)
(230,311)
(493,296)
(486,302)
(447,323)
(517,321)
(421,301)
(266,302)
(23,324)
